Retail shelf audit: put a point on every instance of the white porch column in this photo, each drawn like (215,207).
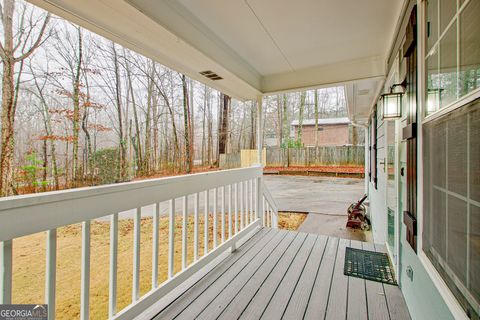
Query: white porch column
(259,129)
(367,159)
(259,197)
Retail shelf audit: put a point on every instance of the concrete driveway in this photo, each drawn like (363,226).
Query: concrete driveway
(325,199)
(326,195)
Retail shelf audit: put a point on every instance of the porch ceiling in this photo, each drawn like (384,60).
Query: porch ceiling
(256,46)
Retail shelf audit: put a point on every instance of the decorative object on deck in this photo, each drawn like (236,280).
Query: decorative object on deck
(392,102)
(368,265)
(357,215)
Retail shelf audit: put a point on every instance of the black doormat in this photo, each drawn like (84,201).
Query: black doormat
(368,265)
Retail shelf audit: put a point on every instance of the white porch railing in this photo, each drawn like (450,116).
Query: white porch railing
(239,194)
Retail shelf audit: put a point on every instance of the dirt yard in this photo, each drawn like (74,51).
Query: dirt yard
(29,262)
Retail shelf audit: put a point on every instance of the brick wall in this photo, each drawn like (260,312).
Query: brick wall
(328,135)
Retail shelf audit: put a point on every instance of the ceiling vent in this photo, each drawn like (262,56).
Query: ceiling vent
(363,92)
(211,75)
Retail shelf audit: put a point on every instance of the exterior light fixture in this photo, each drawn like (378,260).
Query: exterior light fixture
(433,100)
(392,102)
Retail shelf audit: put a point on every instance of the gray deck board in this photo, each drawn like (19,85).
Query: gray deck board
(241,300)
(279,302)
(317,305)
(357,298)
(299,299)
(201,302)
(337,301)
(397,306)
(376,301)
(244,253)
(287,275)
(235,287)
(261,298)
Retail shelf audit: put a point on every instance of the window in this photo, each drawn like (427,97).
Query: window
(451,234)
(453,58)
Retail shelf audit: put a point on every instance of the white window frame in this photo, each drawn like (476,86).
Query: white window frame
(451,301)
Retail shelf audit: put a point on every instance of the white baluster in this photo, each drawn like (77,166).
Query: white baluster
(171,237)
(136,254)
(222,218)
(207,212)
(6,272)
(112,286)
(241,206)
(155,235)
(50,272)
(195,226)
(235,206)
(85,272)
(184,232)
(215,227)
(229,211)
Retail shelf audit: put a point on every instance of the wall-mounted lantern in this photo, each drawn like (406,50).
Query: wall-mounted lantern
(433,100)
(392,102)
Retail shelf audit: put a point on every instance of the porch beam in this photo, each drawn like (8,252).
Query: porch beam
(325,75)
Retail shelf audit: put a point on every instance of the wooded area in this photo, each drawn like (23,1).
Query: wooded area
(78,109)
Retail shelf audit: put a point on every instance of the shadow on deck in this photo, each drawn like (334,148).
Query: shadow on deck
(283,274)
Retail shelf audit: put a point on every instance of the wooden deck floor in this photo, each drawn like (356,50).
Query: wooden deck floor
(287,275)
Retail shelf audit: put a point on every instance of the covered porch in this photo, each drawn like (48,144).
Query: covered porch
(279,274)
(251,269)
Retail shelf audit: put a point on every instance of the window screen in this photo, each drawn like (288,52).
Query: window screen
(451,235)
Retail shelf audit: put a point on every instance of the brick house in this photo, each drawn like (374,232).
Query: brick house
(331,132)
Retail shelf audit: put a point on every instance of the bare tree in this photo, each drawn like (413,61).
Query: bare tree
(22,39)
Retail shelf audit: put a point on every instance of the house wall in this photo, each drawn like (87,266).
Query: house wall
(377,195)
(423,292)
(328,135)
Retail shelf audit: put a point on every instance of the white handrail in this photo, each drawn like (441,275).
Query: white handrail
(29,214)
(270,209)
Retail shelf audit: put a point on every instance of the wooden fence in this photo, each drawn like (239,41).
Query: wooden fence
(306,156)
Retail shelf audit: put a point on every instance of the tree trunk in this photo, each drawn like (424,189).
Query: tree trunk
(76,108)
(253,126)
(285,124)
(187,125)
(223,128)
(137,140)
(300,116)
(122,147)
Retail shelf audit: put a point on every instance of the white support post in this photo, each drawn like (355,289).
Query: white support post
(195,226)
(171,237)
(155,246)
(235,206)
(259,200)
(136,255)
(85,273)
(6,272)
(184,232)
(242,224)
(229,211)
(215,218)
(50,272)
(259,130)
(205,222)
(252,200)
(112,286)
(222,220)
(247,203)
